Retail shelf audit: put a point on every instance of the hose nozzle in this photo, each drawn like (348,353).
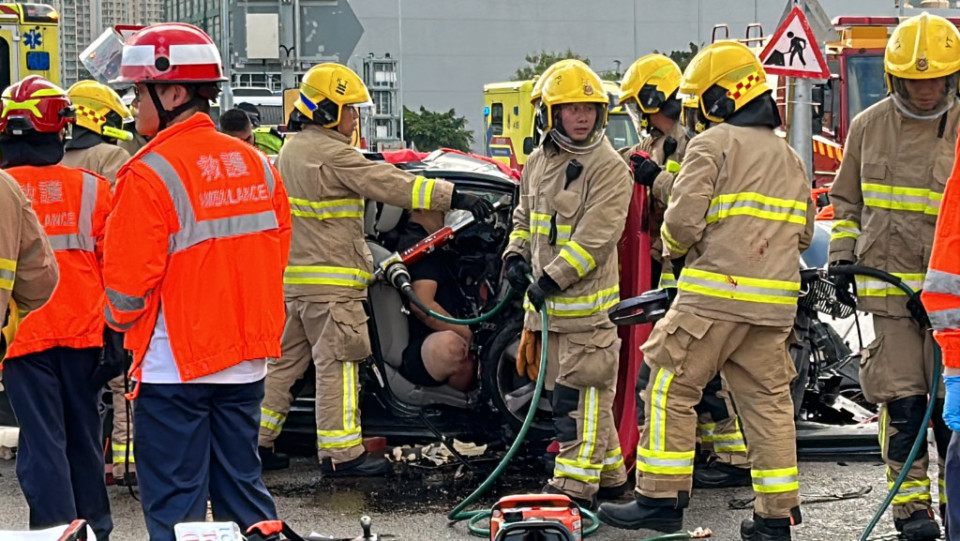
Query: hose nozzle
(394,271)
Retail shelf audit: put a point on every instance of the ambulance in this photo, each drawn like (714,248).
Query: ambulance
(508,122)
(29,42)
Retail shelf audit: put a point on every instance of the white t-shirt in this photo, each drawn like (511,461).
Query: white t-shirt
(159,366)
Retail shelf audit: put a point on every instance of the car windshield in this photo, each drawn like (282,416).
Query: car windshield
(866,84)
(621,132)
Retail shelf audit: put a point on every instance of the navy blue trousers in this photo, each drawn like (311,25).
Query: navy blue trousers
(953,487)
(60,455)
(194,442)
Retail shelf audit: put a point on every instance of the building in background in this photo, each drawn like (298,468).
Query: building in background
(83,20)
(381,123)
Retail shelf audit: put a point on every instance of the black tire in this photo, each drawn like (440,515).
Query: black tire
(499,377)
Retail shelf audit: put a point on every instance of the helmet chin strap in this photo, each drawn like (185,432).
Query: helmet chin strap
(166,116)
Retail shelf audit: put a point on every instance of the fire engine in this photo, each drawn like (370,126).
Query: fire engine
(29,40)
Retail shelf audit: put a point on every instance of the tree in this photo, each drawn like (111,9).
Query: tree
(539,62)
(682,58)
(428,130)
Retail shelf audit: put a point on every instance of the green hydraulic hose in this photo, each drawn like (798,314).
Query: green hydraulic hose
(921,439)
(408,290)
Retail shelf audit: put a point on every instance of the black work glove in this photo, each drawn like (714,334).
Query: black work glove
(846,284)
(918,312)
(645,170)
(517,271)
(538,292)
(678,265)
(478,206)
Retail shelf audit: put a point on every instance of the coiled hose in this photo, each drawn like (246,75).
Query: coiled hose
(921,439)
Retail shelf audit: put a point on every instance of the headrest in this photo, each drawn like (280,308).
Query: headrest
(379,218)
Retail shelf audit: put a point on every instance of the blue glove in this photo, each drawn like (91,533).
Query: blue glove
(951,407)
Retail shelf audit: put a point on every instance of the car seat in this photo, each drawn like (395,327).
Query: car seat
(390,319)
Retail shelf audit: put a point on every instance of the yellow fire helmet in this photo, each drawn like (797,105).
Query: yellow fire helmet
(724,76)
(567,85)
(537,90)
(10,323)
(650,81)
(923,47)
(100,109)
(324,91)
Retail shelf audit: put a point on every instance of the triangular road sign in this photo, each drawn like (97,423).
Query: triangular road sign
(793,51)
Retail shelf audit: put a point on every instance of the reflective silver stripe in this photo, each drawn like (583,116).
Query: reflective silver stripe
(267,173)
(775,481)
(7,275)
(125,303)
(72,242)
(592,472)
(775,292)
(945,319)
(720,209)
(193,232)
(666,462)
(351,436)
(113,323)
(942,282)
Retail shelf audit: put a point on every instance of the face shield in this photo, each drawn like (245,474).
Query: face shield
(102,58)
(639,118)
(927,102)
(691,116)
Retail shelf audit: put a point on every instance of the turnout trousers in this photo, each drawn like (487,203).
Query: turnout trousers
(197,442)
(896,372)
(685,352)
(333,336)
(582,370)
(60,454)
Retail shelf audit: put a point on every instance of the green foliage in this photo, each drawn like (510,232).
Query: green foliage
(682,58)
(428,130)
(537,63)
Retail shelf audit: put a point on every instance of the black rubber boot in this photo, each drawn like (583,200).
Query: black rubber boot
(366,465)
(769,529)
(129,479)
(589,505)
(716,474)
(921,526)
(272,460)
(660,514)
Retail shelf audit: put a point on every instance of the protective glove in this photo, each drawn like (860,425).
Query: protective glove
(645,170)
(846,285)
(918,312)
(677,265)
(538,292)
(528,354)
(517,271)
(951,406)
(478,206)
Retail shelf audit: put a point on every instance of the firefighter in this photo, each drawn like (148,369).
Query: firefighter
(574,195)
(266,138)
(896,162)
(330,265)
(57,349)
(101,116)
(649,93)
(740,185)
(236,123)
(201,315)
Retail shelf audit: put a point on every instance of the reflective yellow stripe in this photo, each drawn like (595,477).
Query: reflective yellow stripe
(757,206)
(911,491)
(667,279)
(578,258)
(845,229)
(8,272)
(612,460)
(422,193)
(325,210)
(579,306)
(519,234)
(882,433)
(901,198)
(665,462)
(591,413)
(574,469)
(674,246)
(871,287)
(706,431)
(942,484)
(739,288)
(775,481)
(328,276)
(350,436)
(658,410)
(672,167)
(540,225)
(119,452)
(731,442)
(272,420)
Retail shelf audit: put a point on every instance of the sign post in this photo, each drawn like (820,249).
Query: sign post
(794,51)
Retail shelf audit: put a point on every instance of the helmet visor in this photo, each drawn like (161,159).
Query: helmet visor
(636,115)
(102,58)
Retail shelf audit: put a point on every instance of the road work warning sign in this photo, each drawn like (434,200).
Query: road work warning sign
(793,50)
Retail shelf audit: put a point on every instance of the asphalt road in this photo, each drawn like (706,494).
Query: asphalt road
(413,504)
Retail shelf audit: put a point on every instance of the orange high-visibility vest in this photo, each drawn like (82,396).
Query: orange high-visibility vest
(200,230)
(941,288)
(72,205)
